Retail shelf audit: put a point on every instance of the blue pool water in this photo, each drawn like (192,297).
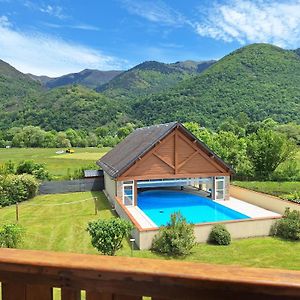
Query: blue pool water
(158,205)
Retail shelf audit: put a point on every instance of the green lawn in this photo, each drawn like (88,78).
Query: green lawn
(271,187)
(62,228)
(57,165)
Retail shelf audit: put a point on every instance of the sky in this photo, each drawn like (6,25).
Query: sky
(52,37)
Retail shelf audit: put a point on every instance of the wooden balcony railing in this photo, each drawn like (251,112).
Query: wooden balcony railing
(31,275)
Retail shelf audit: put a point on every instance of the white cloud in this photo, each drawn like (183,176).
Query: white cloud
(55,11)
(80,26)
(276,22)
(51,10)
(155,11)
(42,54)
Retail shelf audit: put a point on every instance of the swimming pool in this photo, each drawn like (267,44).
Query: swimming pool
(158,205)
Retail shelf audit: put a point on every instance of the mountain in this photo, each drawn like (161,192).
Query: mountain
(16,90)
(260,79)
(66,107)
(193,66)
(151,77)
(88,78)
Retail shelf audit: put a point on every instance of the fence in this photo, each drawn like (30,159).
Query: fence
(31,275)
(69,186)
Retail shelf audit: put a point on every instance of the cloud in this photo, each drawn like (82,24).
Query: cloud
(72,26)
(39,54)
(155,11)
(276,22)
(51,10)
(55,11)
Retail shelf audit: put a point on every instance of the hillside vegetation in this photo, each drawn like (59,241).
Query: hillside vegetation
(17,91)
(151,77)
(260,80)
(88,78)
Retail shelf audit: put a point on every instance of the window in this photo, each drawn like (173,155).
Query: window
(128,193)
(220,187)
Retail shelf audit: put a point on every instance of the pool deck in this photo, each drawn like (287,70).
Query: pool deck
(144,221)
(248,209)
(240,206)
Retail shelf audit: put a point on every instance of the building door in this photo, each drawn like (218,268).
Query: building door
(128,193)
(220,187)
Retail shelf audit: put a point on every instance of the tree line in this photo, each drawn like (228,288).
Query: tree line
(262,150)
(34,136)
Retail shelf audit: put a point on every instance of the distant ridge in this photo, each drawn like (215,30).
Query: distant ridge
(152,77)
(88,78)
(259,80)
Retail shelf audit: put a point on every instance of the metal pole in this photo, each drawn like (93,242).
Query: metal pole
(95,203)
(132,245)
(17,211)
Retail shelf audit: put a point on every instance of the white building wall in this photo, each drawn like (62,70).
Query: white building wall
(110,188)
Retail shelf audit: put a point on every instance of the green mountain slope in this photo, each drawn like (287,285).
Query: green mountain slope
(73,106)
(261,80)
(88,78)
(17,90)
(150,77)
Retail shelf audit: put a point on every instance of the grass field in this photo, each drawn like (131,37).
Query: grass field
(57,165)
(49,226)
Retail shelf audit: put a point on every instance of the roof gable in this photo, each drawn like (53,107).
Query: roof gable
(136,146)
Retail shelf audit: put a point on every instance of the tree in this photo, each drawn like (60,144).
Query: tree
(233,150)
(107,235)
(62,141)
(125,130)
(267,149)
(176,238)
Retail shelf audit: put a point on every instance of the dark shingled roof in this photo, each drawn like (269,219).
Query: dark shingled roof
(138,143)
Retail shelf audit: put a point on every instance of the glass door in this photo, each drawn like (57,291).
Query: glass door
(220,186)
(128,193)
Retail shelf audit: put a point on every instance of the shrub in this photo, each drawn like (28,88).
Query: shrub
(11,235)
(289,226)
(294,197)
(176,238)
(30,167)
(8,168)
(107,235)
(17,188)
(219,235)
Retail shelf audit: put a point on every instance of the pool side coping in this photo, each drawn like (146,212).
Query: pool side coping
(140,229)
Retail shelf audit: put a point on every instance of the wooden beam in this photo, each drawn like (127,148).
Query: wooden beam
(204,155)
(164,161)
(178,175)
(148,154)
(176,151)
(135,193)
(13,290)
(188,159)
(70,294)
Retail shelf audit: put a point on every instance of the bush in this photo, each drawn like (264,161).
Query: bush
(175,239)
(30,167)
(11,235)
(8,168)
(107,235)
(289,226)
(17,188)
(293,197)
(219,235)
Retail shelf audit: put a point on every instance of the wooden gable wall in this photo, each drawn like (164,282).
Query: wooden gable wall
(175,156)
